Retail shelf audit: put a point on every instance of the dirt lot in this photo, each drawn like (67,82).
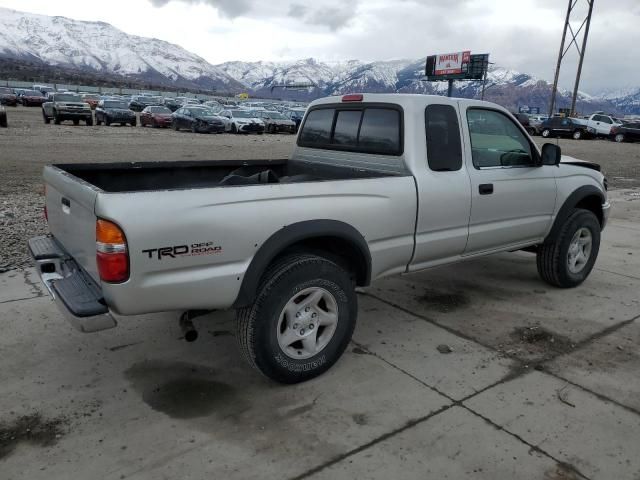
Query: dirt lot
(474,371)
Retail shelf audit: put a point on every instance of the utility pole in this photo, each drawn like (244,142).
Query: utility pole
(563,51)
(449,87)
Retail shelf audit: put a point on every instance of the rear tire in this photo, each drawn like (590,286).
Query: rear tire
(577,135)
(234,129)
(3,120)
(76,122)
(619,138)
(546,133)
(107,121)
(567,260)
(46,119)
(174,125)
(272,330)
(56,119)
(98,122)
(134,122)
(89,121)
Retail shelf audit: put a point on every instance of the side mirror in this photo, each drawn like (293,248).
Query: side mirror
(551,154)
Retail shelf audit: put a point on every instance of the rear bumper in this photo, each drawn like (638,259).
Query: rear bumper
(75,293)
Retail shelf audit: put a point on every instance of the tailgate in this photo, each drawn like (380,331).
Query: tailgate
(70,211)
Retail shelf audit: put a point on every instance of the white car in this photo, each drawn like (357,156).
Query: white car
(244,121)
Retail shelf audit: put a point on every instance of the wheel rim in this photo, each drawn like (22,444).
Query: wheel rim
(579,250)
(307,323)
(545,133)
(619,138)
(576,135)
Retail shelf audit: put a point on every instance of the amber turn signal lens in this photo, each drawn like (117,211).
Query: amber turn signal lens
(109,232)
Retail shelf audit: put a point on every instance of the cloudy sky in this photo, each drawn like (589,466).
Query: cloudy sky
(522,35)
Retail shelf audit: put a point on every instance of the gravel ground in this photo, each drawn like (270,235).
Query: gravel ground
(28,144)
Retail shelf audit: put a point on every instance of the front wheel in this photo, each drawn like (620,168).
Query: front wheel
(619,138)
(89,121)
(301,320)
(47,120)
(134,122)
(567,260)
(546,133)
(577,135)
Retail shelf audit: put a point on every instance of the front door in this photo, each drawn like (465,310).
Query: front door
(512,197)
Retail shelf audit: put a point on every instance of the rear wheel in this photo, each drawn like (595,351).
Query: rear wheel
(3,120)
(134,122)
(107,121)
(577,135)
(89,121)
(546,133)
(98,122)
(301,320)
(567,260)
(194,129)
(619,137)
(46,119)
(234,129)
(56,118)
(174,125)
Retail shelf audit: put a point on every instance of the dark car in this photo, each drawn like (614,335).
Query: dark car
(3,117)
(172,104)
(524,121)
(296,116)
(197,119)
(140,102)
(8,97)
(156,117)
(114,111)
(564,127)
(31,98)
(627,132)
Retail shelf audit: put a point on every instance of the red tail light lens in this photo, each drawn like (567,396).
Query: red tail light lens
(353,97)
(112,256)
(614,130)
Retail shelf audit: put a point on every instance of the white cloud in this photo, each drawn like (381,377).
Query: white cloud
(523,35)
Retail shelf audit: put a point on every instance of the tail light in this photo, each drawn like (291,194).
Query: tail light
(614,130)
(112,255)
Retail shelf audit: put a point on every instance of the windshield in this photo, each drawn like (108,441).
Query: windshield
(115,104)
(91,97)
(5,90)
(201,111)
(67,97)
(32,93)
(158,110)
(242,114)
(276,115)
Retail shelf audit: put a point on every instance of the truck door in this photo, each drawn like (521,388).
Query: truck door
(444,191)
(512,198)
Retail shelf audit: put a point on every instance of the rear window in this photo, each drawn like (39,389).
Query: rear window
(366,130)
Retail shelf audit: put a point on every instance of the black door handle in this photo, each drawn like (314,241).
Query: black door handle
(66,202)
(485,188)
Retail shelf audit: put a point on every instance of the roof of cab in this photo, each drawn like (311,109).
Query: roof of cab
(402,99)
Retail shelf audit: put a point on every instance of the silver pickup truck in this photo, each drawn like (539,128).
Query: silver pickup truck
(377,185)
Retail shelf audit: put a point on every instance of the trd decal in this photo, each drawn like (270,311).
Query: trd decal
(195,249)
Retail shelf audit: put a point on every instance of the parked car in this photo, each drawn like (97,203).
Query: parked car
(91,98)
(31,98)
(535,121)
(66,106)
(599,125)
(244,121)
(276,122)
(564,127)
(140,102)
(286,243)
(296,116)
(172,104)
(156,117)
(115,111)
(628,132)
(197,119)
(8,97)
(44,89)
(3,117)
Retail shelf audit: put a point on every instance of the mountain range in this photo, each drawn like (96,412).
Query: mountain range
(66,49)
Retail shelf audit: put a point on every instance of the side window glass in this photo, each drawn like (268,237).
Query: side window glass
(347,124)
(444,152)
(607,120)
(496,141)
(317,127)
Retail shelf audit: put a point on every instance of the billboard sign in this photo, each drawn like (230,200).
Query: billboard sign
(452,63)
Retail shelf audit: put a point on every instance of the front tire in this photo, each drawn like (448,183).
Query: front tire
(89,121)
(134,122)
(301,320)
(619,138)
(56,118)
(546,133)
(567,260)
(577,135)
(47,120)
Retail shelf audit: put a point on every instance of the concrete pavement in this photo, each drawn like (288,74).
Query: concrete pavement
(538,383)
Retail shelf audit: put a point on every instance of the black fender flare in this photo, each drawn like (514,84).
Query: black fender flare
(569,204)
(290,235)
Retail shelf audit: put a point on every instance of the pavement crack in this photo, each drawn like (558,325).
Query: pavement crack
(20,299)
(619,274)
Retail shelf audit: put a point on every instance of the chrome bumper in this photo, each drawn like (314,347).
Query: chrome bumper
(74,292)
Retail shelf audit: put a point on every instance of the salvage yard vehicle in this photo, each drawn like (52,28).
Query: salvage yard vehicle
(198,119)
(31,98)
(156,117)
(3,117)
(244,121)
(8,97)
(114,111)
(276,122)
(66,106)
(599,124)
(91,98)
(377,185)
(140,102)
(628,132)
(564,127)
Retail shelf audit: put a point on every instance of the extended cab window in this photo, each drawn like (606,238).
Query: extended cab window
(496,141)
(369,129)
(444,152)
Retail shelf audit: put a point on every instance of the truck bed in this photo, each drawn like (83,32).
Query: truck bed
(150,176)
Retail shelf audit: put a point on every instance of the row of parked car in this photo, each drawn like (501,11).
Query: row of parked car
(596,125)
(208,117)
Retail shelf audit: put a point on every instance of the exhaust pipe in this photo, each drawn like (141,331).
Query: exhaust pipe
(186,325)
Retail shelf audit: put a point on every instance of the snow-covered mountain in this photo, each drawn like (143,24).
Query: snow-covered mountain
(73,50)
(102,48)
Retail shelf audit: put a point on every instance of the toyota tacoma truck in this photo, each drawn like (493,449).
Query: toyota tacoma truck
(377,185)
(66,106)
